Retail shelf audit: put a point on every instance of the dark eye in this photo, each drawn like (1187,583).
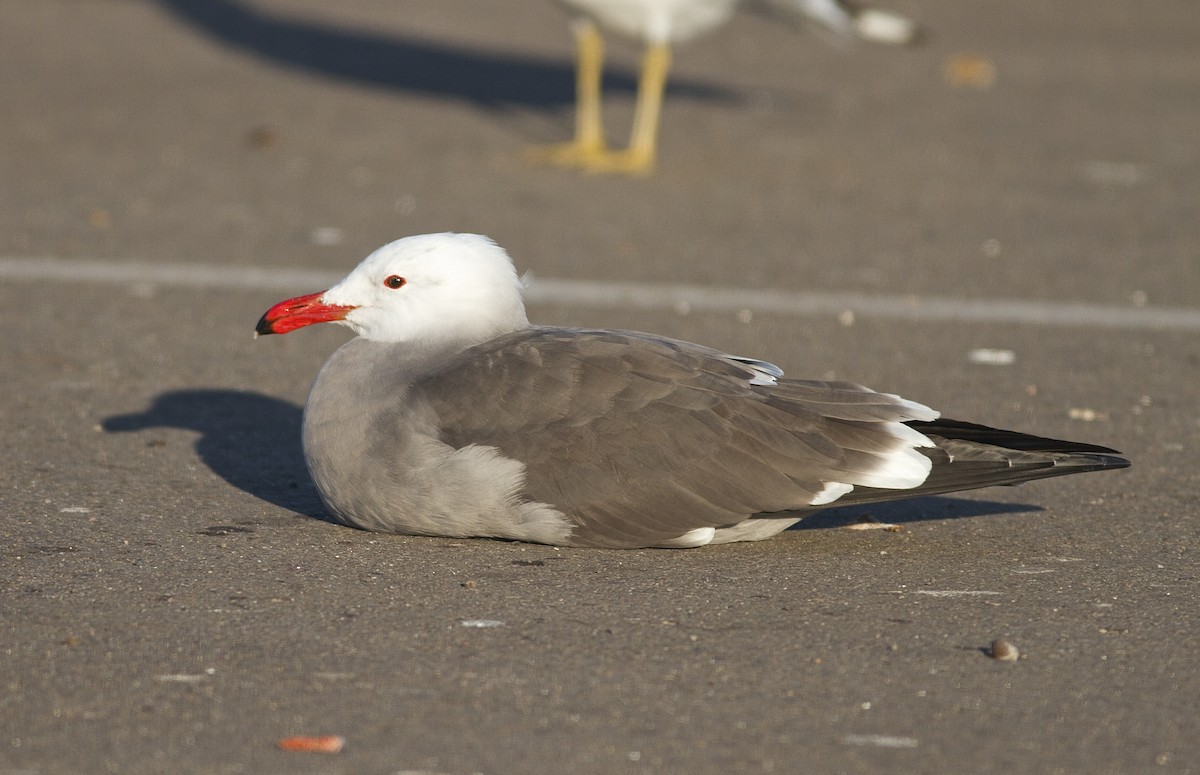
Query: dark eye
(394,281)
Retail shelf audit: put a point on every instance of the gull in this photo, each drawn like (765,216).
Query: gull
(451,415)
(658,24)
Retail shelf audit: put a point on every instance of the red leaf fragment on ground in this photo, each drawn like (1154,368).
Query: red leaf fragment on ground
(312,744)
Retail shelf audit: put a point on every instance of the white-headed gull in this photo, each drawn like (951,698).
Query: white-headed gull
(451,415)
(658,24)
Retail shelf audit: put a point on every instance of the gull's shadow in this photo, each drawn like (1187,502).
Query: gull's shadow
(908,510)
(250,440)
(398,63)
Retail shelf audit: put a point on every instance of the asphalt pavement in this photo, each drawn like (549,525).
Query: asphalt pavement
(174,600)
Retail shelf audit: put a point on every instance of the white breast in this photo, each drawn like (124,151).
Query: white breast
(656,21)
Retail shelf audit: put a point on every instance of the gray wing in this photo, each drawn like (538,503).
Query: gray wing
(640,439)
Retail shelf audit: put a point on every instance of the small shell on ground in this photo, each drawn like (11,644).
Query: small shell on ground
(870,523)
(1003,651)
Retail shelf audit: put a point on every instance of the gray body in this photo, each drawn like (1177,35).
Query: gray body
(619,439)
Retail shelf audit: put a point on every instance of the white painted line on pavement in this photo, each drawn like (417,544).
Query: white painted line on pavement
(618,295)
(832,303)
(229,276)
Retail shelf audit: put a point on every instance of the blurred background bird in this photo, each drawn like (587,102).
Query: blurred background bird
(659,24)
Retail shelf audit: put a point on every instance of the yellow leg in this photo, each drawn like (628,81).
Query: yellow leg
(639,157)
(588,150)
(589,132)
(643,140)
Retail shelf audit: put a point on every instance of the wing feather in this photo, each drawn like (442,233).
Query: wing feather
(640,439)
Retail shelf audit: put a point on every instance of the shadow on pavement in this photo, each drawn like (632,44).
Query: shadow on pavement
(490,79)
(908,510)
(250,440)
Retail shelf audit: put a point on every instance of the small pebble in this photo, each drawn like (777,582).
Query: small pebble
(1004,651)
(1118,173)
(885,27)
(991,356)
(326,236)
(969,71)
(262,137)
(99,218)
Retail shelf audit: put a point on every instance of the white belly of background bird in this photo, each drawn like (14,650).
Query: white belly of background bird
(451,415)
(655,21)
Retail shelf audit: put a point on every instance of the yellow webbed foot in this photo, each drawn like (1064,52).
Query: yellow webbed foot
(593,158)
(569,154)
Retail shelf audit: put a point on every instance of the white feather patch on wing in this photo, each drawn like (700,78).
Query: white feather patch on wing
(830,491)
(691,539)
(908,435)
(916,411)
(764,373)
(901,469)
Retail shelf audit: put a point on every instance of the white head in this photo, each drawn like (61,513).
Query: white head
(435,292)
